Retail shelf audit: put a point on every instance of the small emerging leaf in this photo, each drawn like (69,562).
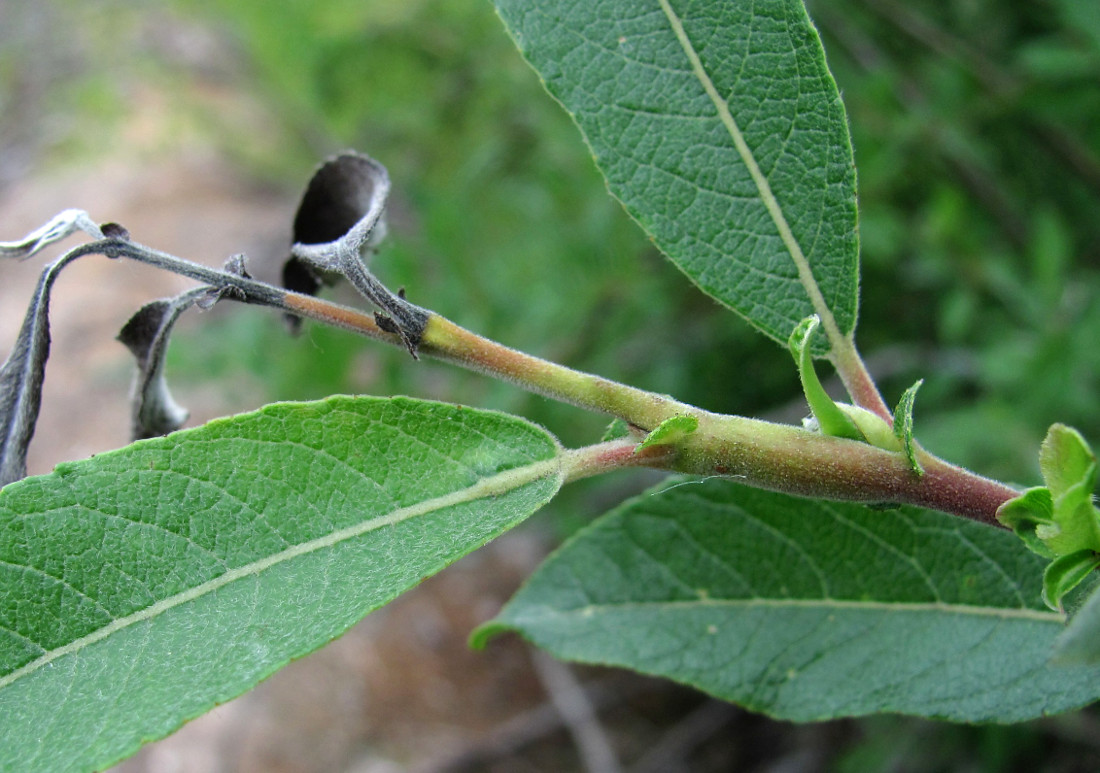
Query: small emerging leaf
(903,426)
(615,430)
(1066,460)
(1069,471)
(669,432)
(1026,514)
(1065,573)
(831,420)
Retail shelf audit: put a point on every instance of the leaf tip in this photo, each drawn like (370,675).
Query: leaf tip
(481,635)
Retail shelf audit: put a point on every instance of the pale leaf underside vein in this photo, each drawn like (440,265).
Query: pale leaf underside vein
(1006,613)
(491,486)
(805,275)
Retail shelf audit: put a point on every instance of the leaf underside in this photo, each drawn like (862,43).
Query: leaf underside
(1080,643)
(679,101)
(144,586)
(806,610)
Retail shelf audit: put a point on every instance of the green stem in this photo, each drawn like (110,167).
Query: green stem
(789,459)
(613,455)
(447,341)
(857,380)
(773,456)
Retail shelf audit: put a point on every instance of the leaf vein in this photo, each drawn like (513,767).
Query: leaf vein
(1007,613)
(794,249)
(486,487)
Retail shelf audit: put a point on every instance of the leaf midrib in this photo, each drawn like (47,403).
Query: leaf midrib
(1011,613)
(494,485)
(805,274)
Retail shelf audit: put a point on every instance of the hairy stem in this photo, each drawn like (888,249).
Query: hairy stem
(856,378)
(789,459)
(447,341)
(762,454)
(613,455)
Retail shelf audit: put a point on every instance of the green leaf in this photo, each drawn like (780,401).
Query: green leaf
(1069,470)
(671,430)
(831,419)
(1065,573)
(145,586)
(806,610)
(1060,516)
(1066,461)
(720,128)
(1026,514)
(903,426)
(615,430)
(1080,643)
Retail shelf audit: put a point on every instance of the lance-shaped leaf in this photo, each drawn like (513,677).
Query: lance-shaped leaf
(338,225)
(146,585)
(806,610)
(720,128)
